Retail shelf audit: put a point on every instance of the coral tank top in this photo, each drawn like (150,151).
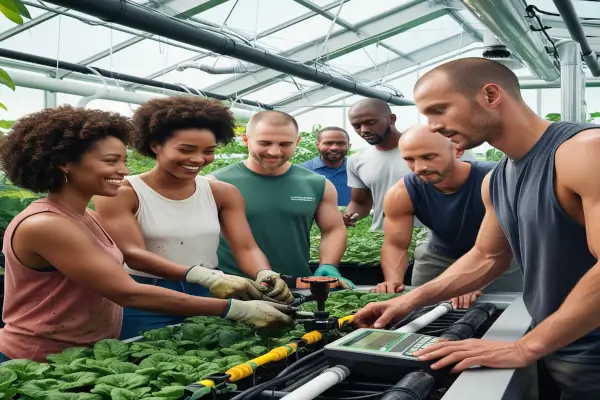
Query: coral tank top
(46,312)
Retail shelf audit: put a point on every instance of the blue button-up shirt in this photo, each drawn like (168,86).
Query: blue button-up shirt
(337,176)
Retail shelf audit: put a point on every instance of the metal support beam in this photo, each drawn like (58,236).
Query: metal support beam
(29,24)
(374,30)
(188,7)
(379,71)
(260,35)
(344,24)
(48,62)
(50,99)
(571,77)
(507,20)
(32,81)
(593,83)
(131,14)
(567,11)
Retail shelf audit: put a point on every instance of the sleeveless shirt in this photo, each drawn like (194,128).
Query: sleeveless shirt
(454,218)
(281,211)
(46,312)
(550,247)
(183,231)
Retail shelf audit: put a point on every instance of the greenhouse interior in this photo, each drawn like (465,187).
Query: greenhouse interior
(315,61)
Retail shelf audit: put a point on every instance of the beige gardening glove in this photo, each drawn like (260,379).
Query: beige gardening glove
(225,286)
(260,314)
(278,289)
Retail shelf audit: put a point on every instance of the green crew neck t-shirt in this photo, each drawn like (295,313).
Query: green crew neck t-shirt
(281,211)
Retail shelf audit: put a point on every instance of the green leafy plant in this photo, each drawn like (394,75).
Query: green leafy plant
(162,363)
(14,10)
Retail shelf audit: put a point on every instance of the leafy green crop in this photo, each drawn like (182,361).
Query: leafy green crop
(159,366)
(364,246)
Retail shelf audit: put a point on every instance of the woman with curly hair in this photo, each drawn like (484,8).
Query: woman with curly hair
(64,278)
(170,218)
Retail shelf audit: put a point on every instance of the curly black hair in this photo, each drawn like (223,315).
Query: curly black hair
(42,141)
(157,120)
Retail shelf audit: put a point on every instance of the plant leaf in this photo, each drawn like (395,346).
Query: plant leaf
(6,80)
(10,14)
(20,8)
(3,106)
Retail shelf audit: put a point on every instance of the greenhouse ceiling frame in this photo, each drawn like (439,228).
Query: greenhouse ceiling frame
(351,38)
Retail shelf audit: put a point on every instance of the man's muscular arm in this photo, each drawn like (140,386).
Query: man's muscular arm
(397,229)
(578,315)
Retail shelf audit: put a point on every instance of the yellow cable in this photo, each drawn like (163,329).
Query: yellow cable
(246,369)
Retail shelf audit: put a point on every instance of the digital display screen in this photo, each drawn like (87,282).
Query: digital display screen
(373,340)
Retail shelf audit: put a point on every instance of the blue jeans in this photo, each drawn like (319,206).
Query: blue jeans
(3,358)
(137,321)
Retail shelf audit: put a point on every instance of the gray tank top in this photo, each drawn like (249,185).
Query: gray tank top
(550,247)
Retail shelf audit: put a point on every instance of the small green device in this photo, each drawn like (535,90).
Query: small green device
(380,347)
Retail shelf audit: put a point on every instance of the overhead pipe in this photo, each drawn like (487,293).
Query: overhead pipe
(36,81)
(569,15)
(236,69)
(572,91)
(506,19)
(137,17)
(83,69)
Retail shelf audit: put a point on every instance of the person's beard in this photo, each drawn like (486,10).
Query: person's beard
(376,138)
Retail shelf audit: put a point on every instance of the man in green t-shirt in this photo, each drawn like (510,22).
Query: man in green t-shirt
(283,201)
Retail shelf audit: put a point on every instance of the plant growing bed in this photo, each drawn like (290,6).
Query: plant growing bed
(166,360)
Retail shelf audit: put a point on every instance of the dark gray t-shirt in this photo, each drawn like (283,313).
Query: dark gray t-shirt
(454,218)
(550,247)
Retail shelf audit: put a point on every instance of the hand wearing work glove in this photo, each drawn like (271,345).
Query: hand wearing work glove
(260,314)
(333,272)
(278,288)
(225,286)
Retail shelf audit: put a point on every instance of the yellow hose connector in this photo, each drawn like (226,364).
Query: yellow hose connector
(208,383)
(246,369)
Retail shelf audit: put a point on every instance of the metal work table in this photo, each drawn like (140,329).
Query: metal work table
(497,384)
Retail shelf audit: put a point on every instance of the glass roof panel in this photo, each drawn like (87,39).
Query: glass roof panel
(361,59)
(199,79)
(298,34)
(6,24)
(272,93)
(60,37)
(322,3)
(425,34)
(155,56)
(356,11)
(250,16)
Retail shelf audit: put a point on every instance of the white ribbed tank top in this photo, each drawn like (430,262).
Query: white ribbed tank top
(184,231)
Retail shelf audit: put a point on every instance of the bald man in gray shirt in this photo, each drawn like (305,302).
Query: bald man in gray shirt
(373,170)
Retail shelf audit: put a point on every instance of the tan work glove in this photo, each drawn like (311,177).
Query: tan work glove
(278,289)
(260,314)
(225,286)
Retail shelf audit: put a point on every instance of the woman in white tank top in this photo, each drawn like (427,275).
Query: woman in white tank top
(167,221)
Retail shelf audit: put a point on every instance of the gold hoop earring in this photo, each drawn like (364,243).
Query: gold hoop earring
(66,179)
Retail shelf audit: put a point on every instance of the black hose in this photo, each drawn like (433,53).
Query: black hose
(300,362)
(247,394)
(469,324)
(414,386)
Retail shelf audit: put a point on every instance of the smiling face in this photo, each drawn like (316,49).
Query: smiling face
(333,145)
(272,145)
(186,152)
(467,121)
(371,123)
(101,170)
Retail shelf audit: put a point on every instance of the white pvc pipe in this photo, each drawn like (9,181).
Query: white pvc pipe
(426,319)
(34,81)
(311,389)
